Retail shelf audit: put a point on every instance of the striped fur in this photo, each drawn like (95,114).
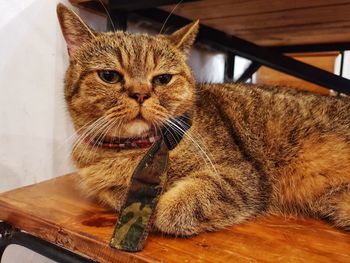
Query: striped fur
(250,151)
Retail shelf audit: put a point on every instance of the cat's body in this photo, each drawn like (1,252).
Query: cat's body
(251,150)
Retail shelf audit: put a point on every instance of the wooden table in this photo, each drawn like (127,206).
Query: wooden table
(266,23)
(55,211)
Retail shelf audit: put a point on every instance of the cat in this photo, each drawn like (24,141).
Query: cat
(251,150)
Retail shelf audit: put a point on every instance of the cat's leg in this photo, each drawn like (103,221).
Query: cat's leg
(334,206)
(206,201)
(113,197)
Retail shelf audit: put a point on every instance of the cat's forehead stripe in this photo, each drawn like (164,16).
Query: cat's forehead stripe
(132,53)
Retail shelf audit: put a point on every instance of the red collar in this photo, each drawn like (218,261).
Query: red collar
(121,143)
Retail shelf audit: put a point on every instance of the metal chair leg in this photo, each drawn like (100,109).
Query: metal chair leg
(11,235)
(6,234)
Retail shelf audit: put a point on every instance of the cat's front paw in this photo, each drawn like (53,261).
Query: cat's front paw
(175,220)
(179,212)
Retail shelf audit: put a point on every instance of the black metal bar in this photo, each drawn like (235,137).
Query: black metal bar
(142,4)
(341,63)
(248,73)
(10,235)
(6,235)
(230,67)
(117,20)
(118,10)
(262,55)
(324,47)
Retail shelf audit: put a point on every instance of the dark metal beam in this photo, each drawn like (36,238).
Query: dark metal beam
(117,20)
(324,47)
(262,55)
(130,5)
(248,73)
(230,67)
(341,63)
(117,10)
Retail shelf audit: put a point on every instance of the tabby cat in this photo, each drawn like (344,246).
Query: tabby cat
(250,151)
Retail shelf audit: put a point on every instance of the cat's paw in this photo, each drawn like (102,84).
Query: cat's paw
(179,211)
(112,198)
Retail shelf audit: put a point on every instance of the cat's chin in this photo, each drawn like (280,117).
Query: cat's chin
(135,128)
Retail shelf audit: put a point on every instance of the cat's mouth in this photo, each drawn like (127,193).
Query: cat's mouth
(135,134)
(136,129)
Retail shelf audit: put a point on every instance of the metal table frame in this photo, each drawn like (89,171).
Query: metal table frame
(10,235)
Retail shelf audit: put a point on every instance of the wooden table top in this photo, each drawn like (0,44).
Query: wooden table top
(55,211)
(267,23)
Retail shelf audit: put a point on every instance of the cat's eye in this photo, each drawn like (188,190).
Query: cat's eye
(162,79)
(110,76)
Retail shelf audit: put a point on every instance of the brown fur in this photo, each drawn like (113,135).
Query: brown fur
(251,150)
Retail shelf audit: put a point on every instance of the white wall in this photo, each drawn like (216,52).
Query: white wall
(32,115)
(34,124)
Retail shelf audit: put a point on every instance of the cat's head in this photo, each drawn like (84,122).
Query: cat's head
(127,84)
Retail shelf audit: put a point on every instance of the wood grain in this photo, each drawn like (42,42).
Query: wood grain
(55,211)
(268,23)
(274,22)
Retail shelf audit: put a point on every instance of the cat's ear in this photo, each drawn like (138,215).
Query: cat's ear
(185,36)
(74,30)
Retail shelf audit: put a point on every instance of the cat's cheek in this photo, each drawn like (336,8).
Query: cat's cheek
(178,101)
(153,111)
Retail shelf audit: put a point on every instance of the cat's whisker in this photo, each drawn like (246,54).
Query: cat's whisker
(90,133)
(99,132)
(197,145)
(104,133)
(93,125)
(62,144)
(86,133)
(155,127)
(108,14)
(166,128)
(89,148)
(111,126)
(195,155)
(172,11)
(118,129)
(199,137)
(72,137)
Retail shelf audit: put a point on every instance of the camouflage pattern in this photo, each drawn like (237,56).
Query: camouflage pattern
(135,218)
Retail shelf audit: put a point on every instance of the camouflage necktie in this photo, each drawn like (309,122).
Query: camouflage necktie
(147,183)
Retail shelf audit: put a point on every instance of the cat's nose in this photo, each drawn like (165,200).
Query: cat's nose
(139,97)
